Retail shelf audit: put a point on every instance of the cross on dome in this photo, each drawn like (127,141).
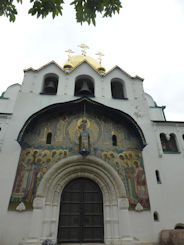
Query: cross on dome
(100,57)
(75,60)
(69,51)
(83,48)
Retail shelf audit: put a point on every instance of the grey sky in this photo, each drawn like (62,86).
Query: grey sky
(146,38)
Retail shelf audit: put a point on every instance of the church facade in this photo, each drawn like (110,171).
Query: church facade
(86,156)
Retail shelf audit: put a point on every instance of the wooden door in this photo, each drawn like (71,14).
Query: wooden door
(81,212)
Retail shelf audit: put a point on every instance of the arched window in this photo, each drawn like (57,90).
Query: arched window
(114,140)
(158,176)
(156,216)
(117,89)
(163,142)
(50,84)
(49,138)
(84,86)
(179,226)
(168,143)
(183,136)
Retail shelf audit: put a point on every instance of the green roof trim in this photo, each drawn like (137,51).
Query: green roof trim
(171,152)
(2,97)
(159,107)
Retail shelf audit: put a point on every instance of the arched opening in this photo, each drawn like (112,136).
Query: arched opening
(173,144)
(156,216)
(168,143)
(117,89)
(179,226)
(114,140)
(81,212)
(59,176)
(50,84)
(84,86)
(49,138)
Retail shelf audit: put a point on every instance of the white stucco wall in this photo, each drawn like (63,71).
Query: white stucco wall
(166,198)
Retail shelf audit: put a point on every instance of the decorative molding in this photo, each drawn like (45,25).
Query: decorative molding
(124,203)
(38,203)
(77,166)
(139,207)
(21,207)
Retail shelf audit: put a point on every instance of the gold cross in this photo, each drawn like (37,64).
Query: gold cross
(83,47)
(100,57)
(69,51)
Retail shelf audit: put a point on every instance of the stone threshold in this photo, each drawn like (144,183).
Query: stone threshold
(136,243)
(91,243)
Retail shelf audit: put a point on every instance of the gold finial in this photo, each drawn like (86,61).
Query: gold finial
(69,51)
(100,57)
(83,48)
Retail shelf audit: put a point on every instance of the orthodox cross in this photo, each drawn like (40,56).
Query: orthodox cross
(69,51)
(83,48)
(100,57)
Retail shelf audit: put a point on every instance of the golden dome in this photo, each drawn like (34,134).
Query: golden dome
(77,59)
(68,65)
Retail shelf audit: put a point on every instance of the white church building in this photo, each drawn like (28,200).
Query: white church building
(86,156)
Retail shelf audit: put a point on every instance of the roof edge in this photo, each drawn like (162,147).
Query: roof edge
(42,67)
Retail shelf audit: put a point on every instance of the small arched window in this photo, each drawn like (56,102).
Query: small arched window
(156,216)
(168,142)
(179,226)
(84,86)
(114,140)
(117,89)
(49,138)
(157,174)
(163,142)
(183,136)
(50,84)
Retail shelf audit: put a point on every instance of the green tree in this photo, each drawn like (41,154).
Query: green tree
(86,10)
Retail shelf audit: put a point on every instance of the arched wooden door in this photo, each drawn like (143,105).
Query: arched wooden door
(81,213)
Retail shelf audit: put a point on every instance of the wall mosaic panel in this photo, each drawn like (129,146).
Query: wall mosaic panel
(37,157)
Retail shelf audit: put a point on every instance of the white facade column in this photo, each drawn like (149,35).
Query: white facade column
(46,221)
(115,222)
(36,222)
(107,224)
(124,222)
(54,222)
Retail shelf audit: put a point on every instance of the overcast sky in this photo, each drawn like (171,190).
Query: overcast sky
(145,39)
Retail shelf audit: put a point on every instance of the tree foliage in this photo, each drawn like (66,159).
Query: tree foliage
(86,10)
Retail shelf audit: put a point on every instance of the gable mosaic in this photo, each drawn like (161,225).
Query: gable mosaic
(37,156)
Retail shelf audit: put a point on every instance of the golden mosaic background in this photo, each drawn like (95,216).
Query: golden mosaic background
(37,157)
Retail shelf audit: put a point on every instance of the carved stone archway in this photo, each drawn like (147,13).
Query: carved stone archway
(46,205)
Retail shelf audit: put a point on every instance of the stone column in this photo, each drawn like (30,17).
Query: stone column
(36,222)
(46,221)
(115,223)
(54,222)
(124,222)
(107,224)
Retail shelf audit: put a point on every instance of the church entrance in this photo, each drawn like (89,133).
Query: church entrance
(81,213)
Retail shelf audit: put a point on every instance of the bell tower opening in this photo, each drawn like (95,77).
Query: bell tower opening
(50,84)
(84,86)
(81,213)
